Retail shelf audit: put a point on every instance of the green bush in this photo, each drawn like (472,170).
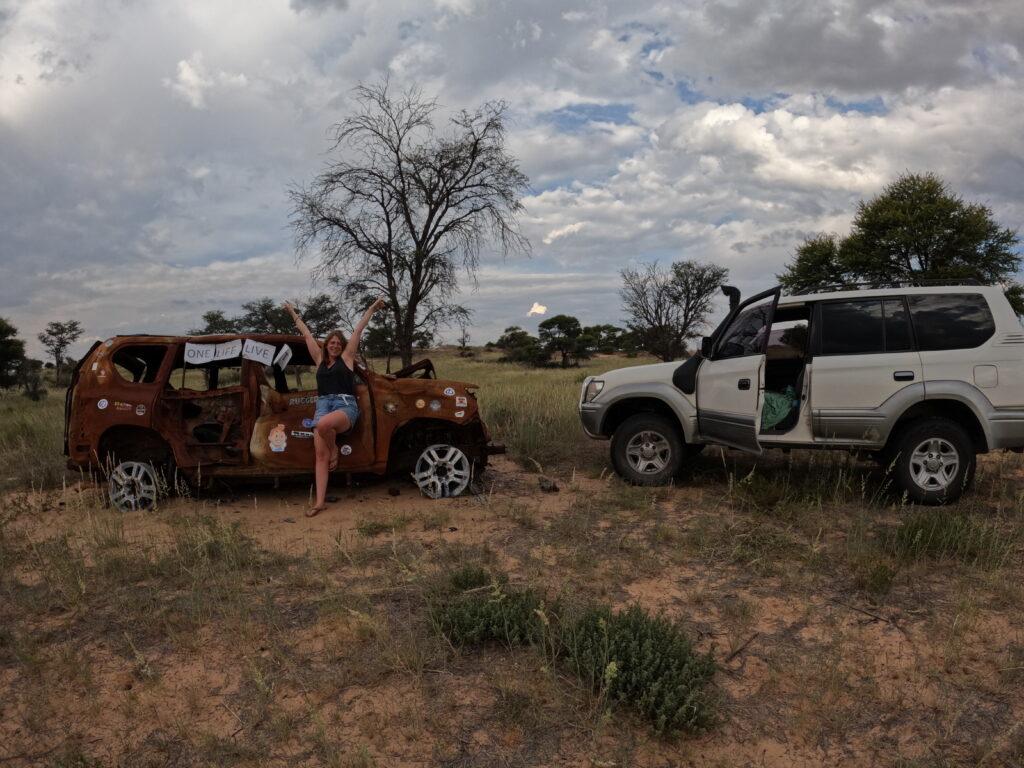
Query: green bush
(644,662)
(631,658)
(495,615)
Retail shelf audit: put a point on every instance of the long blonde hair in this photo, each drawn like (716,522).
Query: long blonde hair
(325,356)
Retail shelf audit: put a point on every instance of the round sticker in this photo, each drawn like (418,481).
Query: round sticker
(435,405)
(140,410)
(307,423)
(449,391)
(102,404)
(420,403)
(346,450)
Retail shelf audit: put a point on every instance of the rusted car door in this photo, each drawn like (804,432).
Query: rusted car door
(282,438)
(208,409)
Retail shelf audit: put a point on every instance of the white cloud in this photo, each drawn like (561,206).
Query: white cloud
(194,82)
(537,309)
(722,132)
(560,232)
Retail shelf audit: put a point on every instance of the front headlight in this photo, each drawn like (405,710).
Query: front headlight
(594,387)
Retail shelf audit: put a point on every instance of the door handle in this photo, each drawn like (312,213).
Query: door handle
(903,376)
(743,384)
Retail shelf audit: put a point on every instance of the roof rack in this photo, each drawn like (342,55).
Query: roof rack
(879,284)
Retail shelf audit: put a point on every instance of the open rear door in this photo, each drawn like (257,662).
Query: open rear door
(730,382)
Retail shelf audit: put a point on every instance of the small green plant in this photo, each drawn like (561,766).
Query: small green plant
(644,662)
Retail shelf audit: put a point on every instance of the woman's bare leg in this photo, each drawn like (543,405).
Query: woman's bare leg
(324,442)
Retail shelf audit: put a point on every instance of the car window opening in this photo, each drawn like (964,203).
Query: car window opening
(785,363)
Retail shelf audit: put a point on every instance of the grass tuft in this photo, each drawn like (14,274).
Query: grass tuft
(950,534)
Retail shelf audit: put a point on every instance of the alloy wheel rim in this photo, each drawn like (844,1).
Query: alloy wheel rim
(934,464)
(648,452)
(133,486)
(442,471)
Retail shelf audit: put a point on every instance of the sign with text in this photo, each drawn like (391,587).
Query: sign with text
(199,354)
(283,356)
(258,352)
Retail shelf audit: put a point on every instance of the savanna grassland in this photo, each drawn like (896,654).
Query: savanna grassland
(785,611)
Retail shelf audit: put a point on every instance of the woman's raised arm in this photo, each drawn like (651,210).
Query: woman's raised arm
(311,344)
(352,348)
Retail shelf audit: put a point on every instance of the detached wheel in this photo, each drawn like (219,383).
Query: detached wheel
(647,450)
(934,461)
(442,471)
(134,485)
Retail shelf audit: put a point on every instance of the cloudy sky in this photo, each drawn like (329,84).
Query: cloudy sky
(146,147)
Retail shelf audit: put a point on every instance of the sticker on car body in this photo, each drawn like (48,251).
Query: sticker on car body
(278,439)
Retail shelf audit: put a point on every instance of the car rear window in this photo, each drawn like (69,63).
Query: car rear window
(139,363)
(951,321)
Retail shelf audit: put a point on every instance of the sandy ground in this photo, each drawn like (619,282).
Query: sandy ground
(810,672)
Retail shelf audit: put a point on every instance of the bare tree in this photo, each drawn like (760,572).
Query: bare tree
(667,308)
(402,208)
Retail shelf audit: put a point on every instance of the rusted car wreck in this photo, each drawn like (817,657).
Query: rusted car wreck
(142,409)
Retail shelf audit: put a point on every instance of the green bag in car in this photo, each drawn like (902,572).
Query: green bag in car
(777,406)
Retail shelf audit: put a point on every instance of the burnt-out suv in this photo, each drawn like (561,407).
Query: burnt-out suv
(143,409)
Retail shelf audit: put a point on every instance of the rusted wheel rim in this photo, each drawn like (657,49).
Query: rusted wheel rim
(133,486)
(442,471)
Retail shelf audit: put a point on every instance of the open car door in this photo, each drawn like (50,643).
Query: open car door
(731,380)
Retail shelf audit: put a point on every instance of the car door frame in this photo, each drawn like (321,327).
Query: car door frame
(737,430)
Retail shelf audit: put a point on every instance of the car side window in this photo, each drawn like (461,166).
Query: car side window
(898,337)
(747,334)
(852,327)
(951,321)
(139,363)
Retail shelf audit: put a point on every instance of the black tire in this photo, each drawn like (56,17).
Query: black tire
(666,453)
(908,469)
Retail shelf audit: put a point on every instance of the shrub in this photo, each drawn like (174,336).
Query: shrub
(644,662)
(495,615)
(631,658)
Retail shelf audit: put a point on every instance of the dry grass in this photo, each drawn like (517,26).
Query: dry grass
(846,628)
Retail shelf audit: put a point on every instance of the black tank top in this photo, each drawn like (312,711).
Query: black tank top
(336,380)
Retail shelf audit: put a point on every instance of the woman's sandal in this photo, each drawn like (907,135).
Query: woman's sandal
(314,511)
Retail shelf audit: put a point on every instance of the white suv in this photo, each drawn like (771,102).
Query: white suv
(924,378)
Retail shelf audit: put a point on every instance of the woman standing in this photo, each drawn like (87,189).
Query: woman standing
(336,407)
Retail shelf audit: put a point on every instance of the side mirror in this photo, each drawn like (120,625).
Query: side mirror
(706,345)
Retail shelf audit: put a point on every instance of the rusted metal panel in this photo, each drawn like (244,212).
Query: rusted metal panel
(247,427)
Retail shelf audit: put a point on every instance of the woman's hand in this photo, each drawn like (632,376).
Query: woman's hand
(290,308)
(378,304)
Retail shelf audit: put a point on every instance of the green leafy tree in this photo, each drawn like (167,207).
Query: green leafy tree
(915,230)
(604,338)
(58,338)
(30,378)
(520,346)
(215,322)
(563,334)
(665,308)
(322,314)
(12,354)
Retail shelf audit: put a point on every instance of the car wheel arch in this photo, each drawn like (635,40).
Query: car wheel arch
(956,409)
(125,441)
(624,408)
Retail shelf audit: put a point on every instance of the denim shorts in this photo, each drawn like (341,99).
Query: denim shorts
(330,403)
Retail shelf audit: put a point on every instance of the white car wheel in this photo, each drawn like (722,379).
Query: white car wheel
(134,485)
(442,471)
